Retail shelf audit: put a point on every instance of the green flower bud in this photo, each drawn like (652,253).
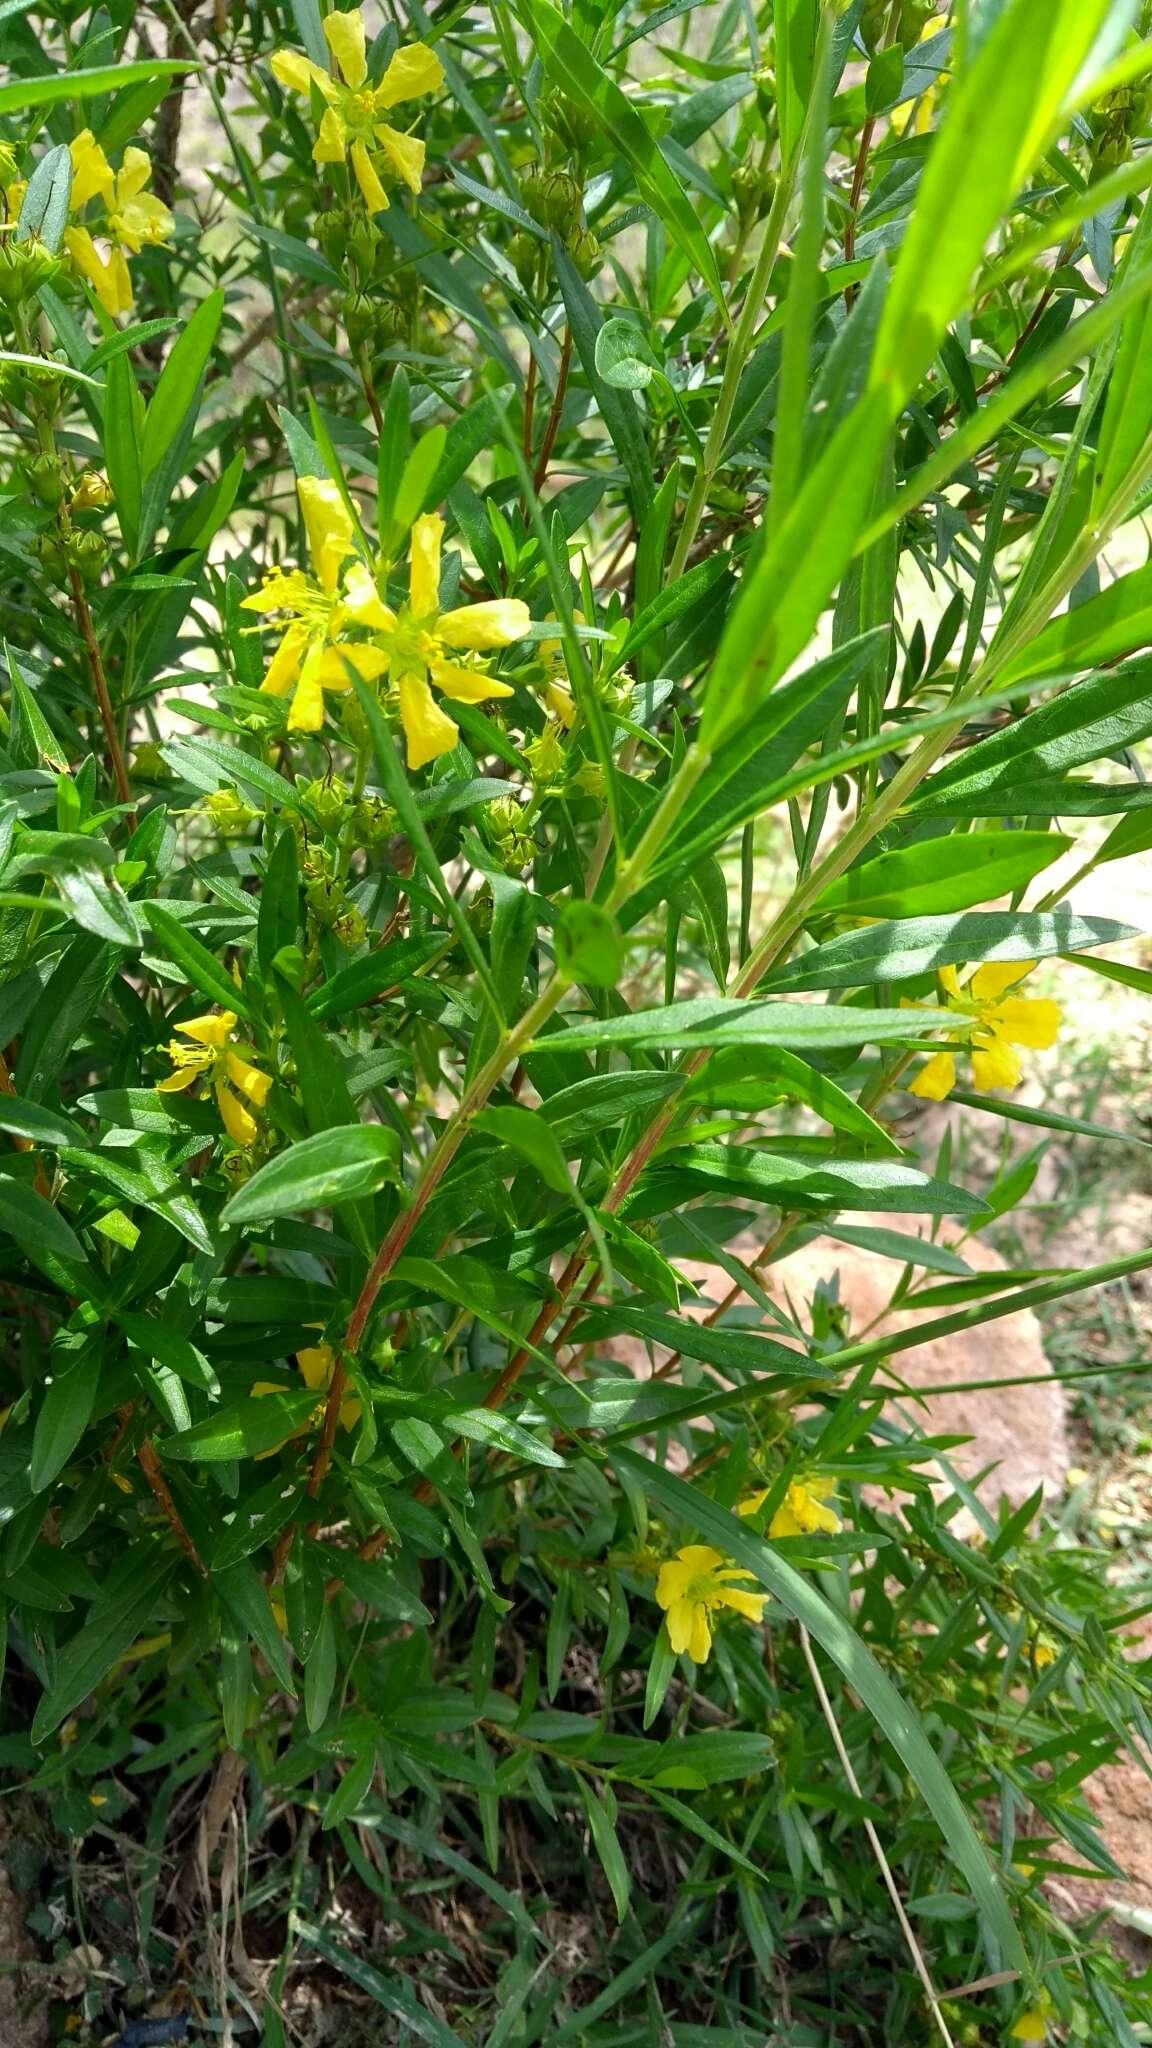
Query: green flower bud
(88,552)
(363,242)
(373,823)
(512,843)
(359,316)
(568,122)
(585,251)
(553,198)
(45,480)
(765,80)
(329,800)
(873,22)
(228,812)
(332,235)
(350,927)
(524,256)
(25,266)
(545,756)
(914,17)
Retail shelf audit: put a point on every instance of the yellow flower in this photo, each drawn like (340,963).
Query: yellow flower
(995,1022)
(1043,1654)
(132,217)
(210,1057)
(1032,2024)
(691,1586)
(317,1364)
(420,640)
(93,491)
(313,654)
(351,128)
(802,1511)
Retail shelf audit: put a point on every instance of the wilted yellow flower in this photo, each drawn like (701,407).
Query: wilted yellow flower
(690,1588)
(1032,2024)
(351,128)
(212,1058)
(995,1022)
(317,1364)
(803,1510)
(132,217)
(93,491)
(420,639)
(314,654)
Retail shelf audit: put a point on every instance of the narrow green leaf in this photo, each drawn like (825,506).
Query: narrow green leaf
(331,1166)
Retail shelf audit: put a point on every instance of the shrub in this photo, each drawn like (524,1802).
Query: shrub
(553,628)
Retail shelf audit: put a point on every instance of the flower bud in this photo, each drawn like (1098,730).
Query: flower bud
(88,552)
(332,235)
(553,198)
(328,799)
(914,18)
(513,844)
(764,78)
(93,491)
(585,251)
(373,822)
(524,256)
(568,122)
(359,316)
(228,812)
(45,480)
(25,266)
(545,756)
(873,22)
(350,928)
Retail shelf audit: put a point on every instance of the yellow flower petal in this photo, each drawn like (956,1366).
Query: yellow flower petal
(1027,1020)
(428,730)
(134,173)
(368,178)
(424,569)
(94,268)
(990,981)
(700,1642)
(91,171)
(361,597)
(478,627)
(750,1605)
(936,1078)
(283,590)
(331,145)
(784,1522)
(467,685)
(247,1078)
(680,1618)
(144,220)
(752,1501)
(411,73)
(1031,2025)
(950,981)
(214,1028)
(298,74)
(316,1364)
(241,1127)
(328,527)
(340,660)
(306,712)
(994,1064)
(174,1084)
(405,154)
(344,35)
(284,666)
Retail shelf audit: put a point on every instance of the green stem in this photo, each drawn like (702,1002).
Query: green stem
(739,349)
